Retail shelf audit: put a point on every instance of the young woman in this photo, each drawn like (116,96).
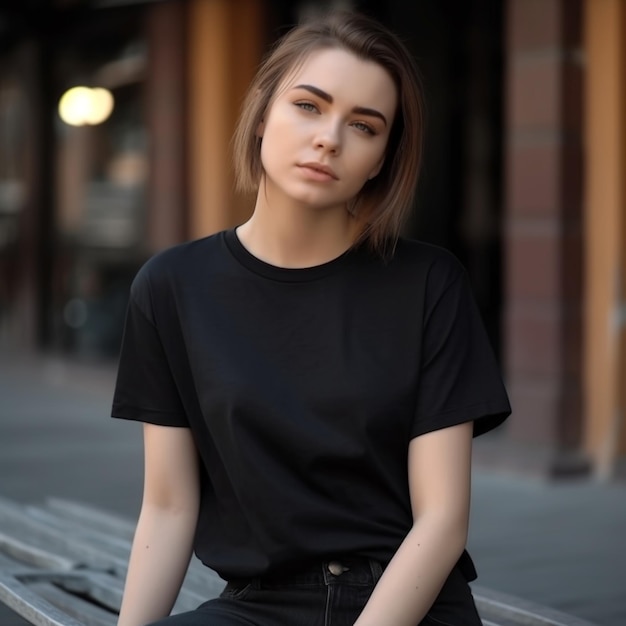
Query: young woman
(310,381)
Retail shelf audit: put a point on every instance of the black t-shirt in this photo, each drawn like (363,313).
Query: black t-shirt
(303,388)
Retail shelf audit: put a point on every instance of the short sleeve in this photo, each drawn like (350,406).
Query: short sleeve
(460,379)
(145,389)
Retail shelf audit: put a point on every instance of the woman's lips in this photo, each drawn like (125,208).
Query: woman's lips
(318,171)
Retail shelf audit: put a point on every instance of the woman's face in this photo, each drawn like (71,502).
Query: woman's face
(325,133)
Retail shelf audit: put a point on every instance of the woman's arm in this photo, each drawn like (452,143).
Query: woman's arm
(439,483)
(163,540)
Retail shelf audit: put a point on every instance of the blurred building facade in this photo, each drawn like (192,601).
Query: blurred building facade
(523,180)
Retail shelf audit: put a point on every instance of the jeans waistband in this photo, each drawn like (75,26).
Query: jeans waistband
(341,571)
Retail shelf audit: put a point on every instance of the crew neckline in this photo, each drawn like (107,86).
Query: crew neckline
(275,272)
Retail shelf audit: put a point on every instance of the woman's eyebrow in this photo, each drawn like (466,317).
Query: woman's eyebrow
(320,93)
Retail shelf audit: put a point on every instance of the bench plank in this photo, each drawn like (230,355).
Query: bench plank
(85,612)
(92,517)
(30,605)
(80,550)
(501,605)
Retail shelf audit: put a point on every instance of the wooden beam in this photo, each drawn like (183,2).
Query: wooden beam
(605,267)
(224,48)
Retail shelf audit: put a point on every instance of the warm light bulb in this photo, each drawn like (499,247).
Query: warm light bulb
(101,105)
(82,105)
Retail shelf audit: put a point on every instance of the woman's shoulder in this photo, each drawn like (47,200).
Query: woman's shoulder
(161,272)
(434,261)
(179,259)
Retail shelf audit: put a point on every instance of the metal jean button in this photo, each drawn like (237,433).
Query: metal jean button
(336,568)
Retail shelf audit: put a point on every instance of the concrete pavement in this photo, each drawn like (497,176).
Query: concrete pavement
(560,544)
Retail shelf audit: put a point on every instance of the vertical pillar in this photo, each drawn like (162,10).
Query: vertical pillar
(605,210)
(225,43)
(543,232)
(479,223)
(165,106)
(35,264)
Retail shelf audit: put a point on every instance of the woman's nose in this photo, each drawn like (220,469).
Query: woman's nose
(328,138)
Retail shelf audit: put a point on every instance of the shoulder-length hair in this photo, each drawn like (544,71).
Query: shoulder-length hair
(384,202)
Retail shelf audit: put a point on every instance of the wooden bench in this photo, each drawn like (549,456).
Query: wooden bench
(63,564)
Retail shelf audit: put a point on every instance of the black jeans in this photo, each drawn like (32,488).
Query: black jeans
(330,594)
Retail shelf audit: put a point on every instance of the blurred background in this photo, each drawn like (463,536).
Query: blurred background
(115,126)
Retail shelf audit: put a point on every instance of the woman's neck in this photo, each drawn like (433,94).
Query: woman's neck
(291,236)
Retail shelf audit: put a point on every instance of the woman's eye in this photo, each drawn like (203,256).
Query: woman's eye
(366,128)
(306,106)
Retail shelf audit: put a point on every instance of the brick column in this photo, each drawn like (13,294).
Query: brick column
(542,239)
(165,106)
(224,46)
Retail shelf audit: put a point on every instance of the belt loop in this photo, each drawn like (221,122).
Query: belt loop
(376,569)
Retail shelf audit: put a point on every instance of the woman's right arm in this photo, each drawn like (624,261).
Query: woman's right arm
(163,541)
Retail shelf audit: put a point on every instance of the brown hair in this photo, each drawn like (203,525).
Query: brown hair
(384,202)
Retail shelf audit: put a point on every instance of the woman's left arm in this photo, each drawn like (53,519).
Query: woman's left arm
(439,483)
